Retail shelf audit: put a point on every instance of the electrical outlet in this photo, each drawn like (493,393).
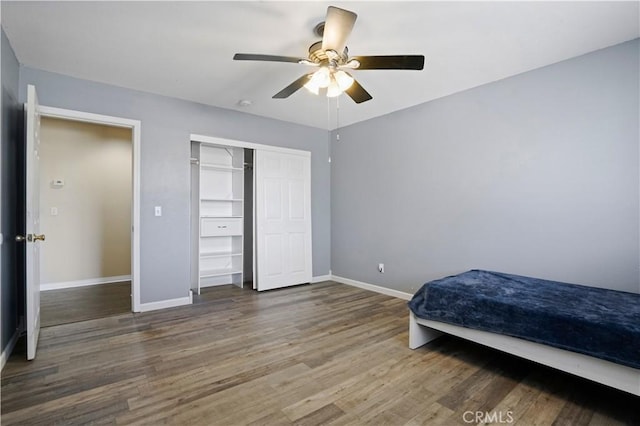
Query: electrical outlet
(381,268)
(158,211)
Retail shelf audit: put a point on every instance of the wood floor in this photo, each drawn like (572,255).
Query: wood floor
(84,303)
(317,354)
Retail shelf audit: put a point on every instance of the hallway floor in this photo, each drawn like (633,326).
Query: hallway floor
(84,303)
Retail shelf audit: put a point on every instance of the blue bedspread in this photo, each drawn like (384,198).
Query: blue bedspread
(594,321)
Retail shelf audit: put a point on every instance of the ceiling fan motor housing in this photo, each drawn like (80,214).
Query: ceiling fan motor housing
(319,56)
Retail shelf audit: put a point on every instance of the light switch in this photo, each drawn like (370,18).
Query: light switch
(54,211)
(158,210)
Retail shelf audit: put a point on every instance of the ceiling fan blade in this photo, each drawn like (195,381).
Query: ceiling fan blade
(357,93)
(257,57)
(392,62)
(337,27)
(292,88)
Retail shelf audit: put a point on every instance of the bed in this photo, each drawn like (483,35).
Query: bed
(587,331)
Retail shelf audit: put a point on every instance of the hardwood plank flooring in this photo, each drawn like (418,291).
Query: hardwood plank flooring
(325,354)
(84,303)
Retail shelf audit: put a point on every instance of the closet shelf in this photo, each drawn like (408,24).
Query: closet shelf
(216,254)
(219,272)
(214,166)
(207,237)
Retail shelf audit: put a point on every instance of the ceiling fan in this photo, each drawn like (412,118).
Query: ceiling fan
(331,56)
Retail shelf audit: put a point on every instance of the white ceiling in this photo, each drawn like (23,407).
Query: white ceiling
(185,49)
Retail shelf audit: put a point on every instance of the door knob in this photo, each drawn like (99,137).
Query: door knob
(20,238)
(37,237)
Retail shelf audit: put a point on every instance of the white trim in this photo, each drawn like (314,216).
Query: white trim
(371,287)
(163,304)
(136,133)
(242,144)
(135,126)
(320,278)
(596,369)
(6,353)
(87,117)
(84,283)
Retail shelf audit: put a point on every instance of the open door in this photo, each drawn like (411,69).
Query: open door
(33,236)
(282,218)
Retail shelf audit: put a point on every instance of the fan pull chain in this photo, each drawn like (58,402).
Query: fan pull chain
(337,98)
(328,113)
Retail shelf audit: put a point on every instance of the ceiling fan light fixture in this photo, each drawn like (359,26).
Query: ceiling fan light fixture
(319,80)
(334,88)
(343,79)
(312,88)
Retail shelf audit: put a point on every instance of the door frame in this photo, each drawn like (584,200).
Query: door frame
(211,140)
(135,126)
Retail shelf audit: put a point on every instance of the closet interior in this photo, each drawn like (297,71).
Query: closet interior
(222,209)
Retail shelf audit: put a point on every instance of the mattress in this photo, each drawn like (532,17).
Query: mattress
(594,321)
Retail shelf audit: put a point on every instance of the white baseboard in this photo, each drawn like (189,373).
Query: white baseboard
(320,278)
(84,283)
(6,353)
(371,287)
(171,303)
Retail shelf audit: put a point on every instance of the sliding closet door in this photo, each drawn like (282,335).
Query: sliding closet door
(282,218)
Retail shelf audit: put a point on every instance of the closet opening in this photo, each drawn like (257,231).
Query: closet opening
(218,216)
(250,217)
(86,193)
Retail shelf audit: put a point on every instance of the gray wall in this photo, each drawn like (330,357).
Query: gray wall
(535,175)
(8,178)
(165,173)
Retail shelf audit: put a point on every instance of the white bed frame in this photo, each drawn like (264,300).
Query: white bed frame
(608,373)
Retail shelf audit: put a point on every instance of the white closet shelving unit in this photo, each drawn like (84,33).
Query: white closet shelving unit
(277,218)
(217,206)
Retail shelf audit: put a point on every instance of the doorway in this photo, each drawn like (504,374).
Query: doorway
(106,274)
(85,208)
